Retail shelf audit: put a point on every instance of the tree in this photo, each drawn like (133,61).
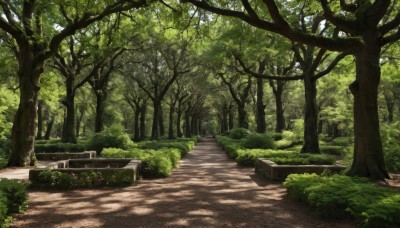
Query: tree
(32,26)
(365,26)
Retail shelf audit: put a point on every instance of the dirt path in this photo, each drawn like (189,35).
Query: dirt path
(207,190)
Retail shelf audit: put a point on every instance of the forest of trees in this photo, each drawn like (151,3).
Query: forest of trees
(163,69)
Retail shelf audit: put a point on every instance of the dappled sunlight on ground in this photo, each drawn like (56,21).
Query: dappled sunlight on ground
(207,190)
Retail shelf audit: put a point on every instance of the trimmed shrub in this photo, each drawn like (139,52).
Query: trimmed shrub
(238,133)
(230,146)
(249,157)
(183,146)
(50,179)
(13,199)
(342,196)
(256,140)
(59,147)
(332,150)
(111,137)
(155,163)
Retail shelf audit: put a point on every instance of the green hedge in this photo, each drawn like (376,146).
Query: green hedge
(247,157)
(230,146)
(155,163)
(59,147)
(256,140)
(184,146)
(238,133)
(13,199)
(51,179)
(342,196)
(112,137)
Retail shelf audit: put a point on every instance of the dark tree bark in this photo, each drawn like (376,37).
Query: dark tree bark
(23,130)
(79,121)
(171,122)
(68,134)
(188,130)
(260,107)
(231,118)
(143,112)
(161,121)
(39,134)
(280,113)
(155,128)
(368,154)
(99,119)
(179,133)
(310,144)
(136,127)
(48,128)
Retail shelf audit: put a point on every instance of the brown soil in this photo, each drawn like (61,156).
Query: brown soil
(208,190)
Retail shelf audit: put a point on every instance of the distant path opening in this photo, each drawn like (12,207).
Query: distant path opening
(207,189)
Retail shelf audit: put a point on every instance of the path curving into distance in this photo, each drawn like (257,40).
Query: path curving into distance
(207,190)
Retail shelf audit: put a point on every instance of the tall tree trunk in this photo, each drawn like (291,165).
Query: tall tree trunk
(171,122)
(260,107)
(242,119)
(224,124)
(99,123)
(368,154)
(39,134)
(136,127)
(178,124)
(155,129)
(187,125)
(194,125)
(23,130)
(68,135)
(143,112)
(161,121)
(48,129)
(310,144)
(279,112)
(390,109)
(231,118)
(78,123)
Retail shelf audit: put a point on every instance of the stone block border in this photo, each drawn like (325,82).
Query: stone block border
(272,171)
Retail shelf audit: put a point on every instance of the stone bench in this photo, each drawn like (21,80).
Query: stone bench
(272,171)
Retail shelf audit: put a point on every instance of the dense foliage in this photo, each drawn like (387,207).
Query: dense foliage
(341,196)
(111,137)
(13,199)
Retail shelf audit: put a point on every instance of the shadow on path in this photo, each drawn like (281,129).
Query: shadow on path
(207,190)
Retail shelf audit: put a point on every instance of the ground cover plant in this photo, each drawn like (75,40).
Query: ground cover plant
(236,149)
(340,196)
(13,199)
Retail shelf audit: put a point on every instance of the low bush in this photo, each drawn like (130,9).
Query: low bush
(59,147)
(238,133)
(50,179)
(155,163)
(288,140)
(5,146)
(184,146)
(111,137)
(256,140)
(230,146)
(342,196)
(332,150)
(391,146)
(247,157)
(50,141)
(13,199)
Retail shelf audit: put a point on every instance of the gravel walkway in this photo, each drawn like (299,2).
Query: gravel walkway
(208,190)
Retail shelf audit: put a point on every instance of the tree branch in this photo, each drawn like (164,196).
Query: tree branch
(332,65)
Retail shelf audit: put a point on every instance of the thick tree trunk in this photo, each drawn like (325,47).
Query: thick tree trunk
(78,123)
(187,125)
(23,130)
(48,129)
(224,123)
(260,107)
(194,125)
(242,116)
(39,134)
(279,112)
(136,127)
(231,118)
(368,154)
(171,122)
(310,144)
(155,129)
(68,135)
(99,123)
(161,121)
(178,124)
(143,112)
